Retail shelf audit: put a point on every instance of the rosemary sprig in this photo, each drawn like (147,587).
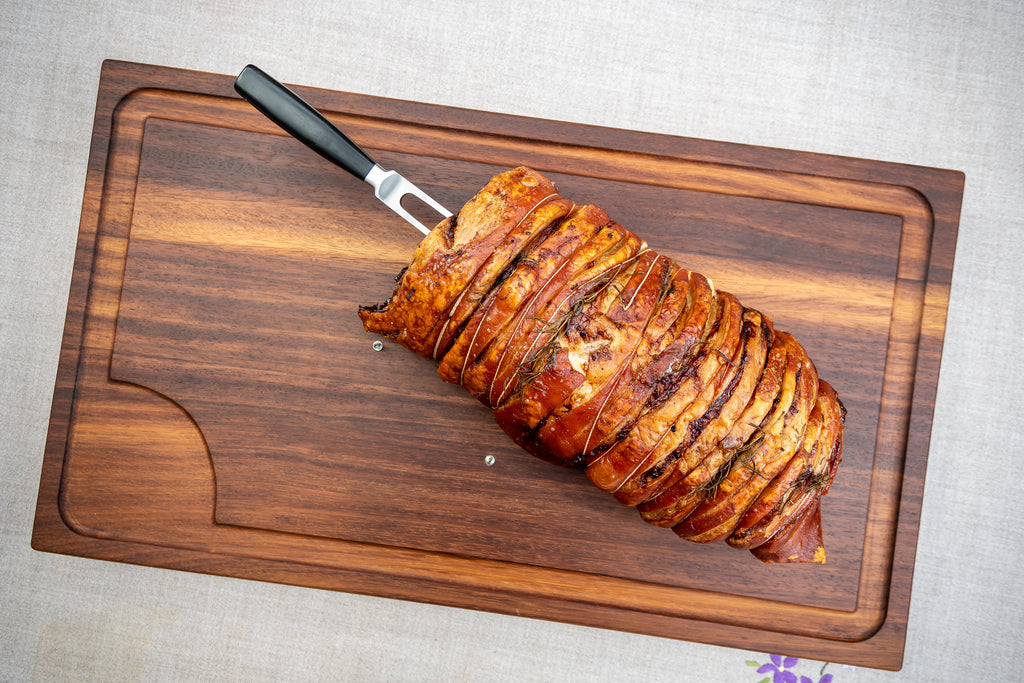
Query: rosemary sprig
(534,365)
(740,456)
(808,479)
(712,484)
(725,358)
(748,451)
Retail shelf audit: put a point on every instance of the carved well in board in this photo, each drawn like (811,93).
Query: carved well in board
(209,284)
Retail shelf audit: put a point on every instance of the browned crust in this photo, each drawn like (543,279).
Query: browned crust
(661,367)
(703,434)
(639,450)
(798,542)
(518,285)
(718,515)
(615,335)
(531,227)
(798,490)
(586,276)
(676,502)
(449,256)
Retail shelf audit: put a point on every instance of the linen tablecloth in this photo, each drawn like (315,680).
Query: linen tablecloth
(934,84)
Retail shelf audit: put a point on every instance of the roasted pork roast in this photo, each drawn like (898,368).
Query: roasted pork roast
(594,351)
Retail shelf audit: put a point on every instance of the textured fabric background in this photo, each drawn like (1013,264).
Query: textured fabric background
(929,83)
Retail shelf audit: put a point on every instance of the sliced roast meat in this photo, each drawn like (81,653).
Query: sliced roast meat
(594,350)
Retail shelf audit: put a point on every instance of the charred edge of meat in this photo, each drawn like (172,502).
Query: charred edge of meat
(449,229)
(375,308)
(506,273)
(578,460)
(766,332)
(401,273)
(597,450)
(601,448)
(668,383)
(659,469)
(794,407)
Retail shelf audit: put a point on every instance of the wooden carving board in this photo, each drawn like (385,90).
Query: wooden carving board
(218,407)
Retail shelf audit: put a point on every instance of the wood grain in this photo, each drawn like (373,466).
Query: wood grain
(218,407)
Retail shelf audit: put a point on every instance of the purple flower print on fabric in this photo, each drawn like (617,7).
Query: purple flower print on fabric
(781,670)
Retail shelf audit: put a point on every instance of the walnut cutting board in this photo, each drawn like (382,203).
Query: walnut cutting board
(218,407)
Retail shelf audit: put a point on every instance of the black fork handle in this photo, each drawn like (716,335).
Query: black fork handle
(301,120)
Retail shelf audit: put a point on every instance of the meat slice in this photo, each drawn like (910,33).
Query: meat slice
(716,517)
(601,348)
(517,284)
(658,365)
(718,423)
(542,321)
(449,256)
(639,451)
(671,459)
(607,409)
(555,371)
(798,488)
(704,433)
(545,278)
(680,499)
(530,228)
